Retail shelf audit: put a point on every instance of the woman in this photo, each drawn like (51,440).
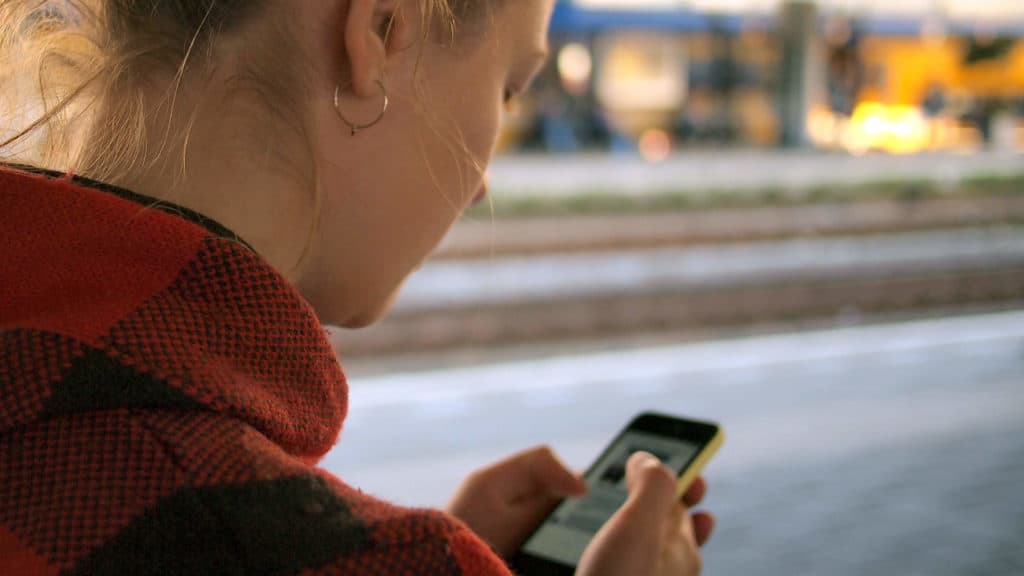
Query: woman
(165,387)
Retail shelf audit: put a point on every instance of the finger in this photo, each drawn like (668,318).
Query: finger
(695,493)
(529,473)
(550,476)
(703,526)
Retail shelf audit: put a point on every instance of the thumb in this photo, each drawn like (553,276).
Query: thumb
(651,485)
(632,540)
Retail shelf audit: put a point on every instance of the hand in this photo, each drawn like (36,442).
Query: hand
(505,502)
(652,534)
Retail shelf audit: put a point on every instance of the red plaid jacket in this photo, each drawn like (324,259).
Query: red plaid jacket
(164,398)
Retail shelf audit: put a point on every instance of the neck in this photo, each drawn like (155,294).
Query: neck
(210,156)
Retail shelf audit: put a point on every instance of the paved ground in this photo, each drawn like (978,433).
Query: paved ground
(891,449)
(730,169)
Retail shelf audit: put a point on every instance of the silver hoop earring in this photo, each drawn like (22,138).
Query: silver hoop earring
(357,128)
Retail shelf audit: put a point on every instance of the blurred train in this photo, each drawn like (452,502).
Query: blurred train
(907,86)
(652,80)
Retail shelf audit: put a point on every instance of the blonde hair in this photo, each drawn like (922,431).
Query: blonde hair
(64,62)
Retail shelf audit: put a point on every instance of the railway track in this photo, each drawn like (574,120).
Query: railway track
(869,283)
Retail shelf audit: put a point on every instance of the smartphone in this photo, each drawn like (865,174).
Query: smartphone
(685,446)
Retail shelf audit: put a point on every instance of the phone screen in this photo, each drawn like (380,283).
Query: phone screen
(566,533)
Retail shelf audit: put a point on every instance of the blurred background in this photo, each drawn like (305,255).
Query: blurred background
(802,220)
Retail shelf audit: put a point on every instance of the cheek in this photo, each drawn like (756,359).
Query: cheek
(466,96)
(482,130)
(477,125)
(481,136)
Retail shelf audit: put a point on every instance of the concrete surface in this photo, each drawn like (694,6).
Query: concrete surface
(886,449)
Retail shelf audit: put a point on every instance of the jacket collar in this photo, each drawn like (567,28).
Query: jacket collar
(112,300)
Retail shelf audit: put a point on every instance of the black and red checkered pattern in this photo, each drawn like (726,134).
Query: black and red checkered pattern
(165,396)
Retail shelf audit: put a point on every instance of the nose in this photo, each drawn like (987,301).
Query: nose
(482,193)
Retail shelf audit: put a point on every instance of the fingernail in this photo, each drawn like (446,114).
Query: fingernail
(647,459)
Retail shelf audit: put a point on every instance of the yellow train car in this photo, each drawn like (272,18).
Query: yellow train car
(927,92)
(912,67)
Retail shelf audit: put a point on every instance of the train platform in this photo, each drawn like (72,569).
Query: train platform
(871,449)
(752,170)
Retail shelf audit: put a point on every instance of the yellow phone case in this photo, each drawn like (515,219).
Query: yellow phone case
(694,469)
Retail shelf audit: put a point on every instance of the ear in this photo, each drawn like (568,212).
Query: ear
(372,31)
